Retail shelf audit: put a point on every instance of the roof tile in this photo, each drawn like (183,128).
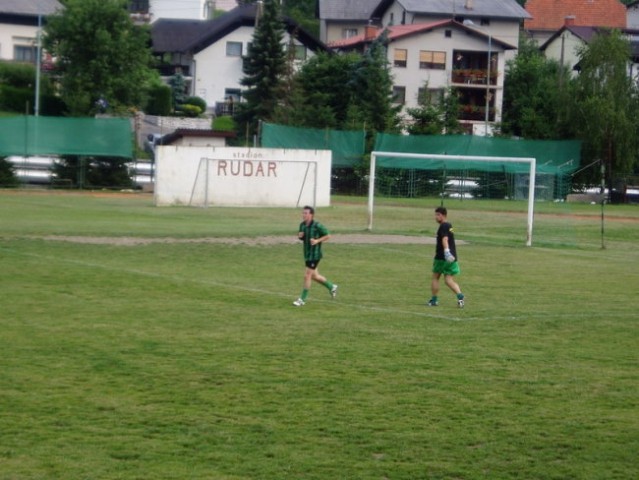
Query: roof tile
(551,14)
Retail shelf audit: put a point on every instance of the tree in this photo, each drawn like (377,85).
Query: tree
(100,54)
(303,12)
(372,89)
(536,96)
(436,114)
(324,83)
(606,105)
(264,67)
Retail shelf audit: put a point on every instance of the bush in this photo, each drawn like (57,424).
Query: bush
(52,106)
(16,99)
(7,176)
(20,75)
(94,171)
(190,110)
(196,101)
(160,100)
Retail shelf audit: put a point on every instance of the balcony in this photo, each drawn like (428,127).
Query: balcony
(473,77)
(475,113)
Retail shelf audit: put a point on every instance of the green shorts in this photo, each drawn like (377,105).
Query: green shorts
(446,268)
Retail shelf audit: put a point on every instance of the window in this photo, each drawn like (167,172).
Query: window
(22,53)
(399,95)
(399,58)
(233,49)
(430,96)
(299,52)
(139,6)
(432,60)
(349,32)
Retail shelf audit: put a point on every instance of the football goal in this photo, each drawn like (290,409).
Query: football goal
(417,161)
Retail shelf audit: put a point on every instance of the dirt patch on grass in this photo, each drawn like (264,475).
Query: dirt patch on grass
(354,238)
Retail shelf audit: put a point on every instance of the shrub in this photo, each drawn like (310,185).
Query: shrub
(160,100)
(190,110)
(197,101)
(7,175)
(16,99)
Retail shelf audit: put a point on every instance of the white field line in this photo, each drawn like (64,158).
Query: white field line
(460,315)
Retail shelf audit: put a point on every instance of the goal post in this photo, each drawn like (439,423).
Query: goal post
(467,158)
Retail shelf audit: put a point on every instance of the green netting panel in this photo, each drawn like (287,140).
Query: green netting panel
(553,156)
(347,147)
(28,135)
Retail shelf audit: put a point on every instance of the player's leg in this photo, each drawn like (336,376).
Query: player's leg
(452,284)
(321,279)
(308,278)
(434,289)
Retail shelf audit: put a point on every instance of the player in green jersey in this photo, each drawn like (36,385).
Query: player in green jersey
(312,234)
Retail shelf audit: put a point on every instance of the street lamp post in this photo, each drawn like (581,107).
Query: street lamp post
(488,85)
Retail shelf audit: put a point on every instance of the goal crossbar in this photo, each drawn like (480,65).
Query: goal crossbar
(532,162)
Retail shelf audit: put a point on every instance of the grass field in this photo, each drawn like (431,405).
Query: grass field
(183,358)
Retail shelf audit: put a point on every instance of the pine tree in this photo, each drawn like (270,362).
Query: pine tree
(372,85)
(264,68)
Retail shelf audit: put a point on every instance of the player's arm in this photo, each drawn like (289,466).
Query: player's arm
(324,237)
(447,255)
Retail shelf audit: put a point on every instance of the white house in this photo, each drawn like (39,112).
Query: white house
(209,54)
(19,21)
(439,55)
(340,19)
(564,46)
(632,15)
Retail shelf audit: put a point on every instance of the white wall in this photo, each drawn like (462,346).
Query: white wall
(570,44)
(185,9)
(412,77)
(11,35)
(247,177)
(633,17)
(215,71)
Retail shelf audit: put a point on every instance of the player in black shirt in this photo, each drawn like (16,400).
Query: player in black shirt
(445,261)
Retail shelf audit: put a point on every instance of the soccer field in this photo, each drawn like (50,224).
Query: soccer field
(161,343)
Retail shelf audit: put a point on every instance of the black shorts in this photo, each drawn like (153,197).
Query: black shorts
(312,264)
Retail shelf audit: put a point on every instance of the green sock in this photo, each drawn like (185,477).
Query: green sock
(433,298)
(328,285)
(304,294)
(460,296)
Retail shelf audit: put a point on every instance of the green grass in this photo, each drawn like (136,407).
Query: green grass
(187,360)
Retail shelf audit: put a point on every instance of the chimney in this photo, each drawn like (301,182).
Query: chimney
(569,21)
(259,10)
(469,5)
(370,32)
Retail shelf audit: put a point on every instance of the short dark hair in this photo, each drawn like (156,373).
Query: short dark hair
(310,209)
(441,210)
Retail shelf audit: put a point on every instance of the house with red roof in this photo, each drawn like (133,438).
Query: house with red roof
(548,16)
(428,58)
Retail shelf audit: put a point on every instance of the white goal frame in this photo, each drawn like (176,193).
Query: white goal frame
(531,185)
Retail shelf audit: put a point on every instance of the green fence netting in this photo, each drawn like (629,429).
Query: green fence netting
(347,147)
(559,157)
(29,136)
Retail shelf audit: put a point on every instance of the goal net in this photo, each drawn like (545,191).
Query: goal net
(469,166)
(463,164)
